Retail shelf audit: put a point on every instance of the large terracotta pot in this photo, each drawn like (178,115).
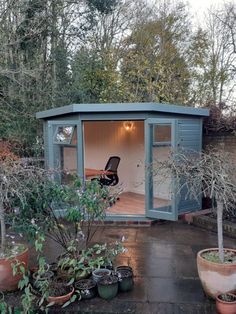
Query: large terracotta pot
(9,282)
(216,278)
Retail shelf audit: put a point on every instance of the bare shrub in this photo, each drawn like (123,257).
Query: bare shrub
(211,174)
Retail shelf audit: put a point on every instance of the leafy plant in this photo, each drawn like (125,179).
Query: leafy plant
(84,262)
(65,213)
(17,179)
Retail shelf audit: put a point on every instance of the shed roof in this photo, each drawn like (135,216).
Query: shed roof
(121,107)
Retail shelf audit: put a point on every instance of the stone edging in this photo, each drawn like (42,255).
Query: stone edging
(210,223)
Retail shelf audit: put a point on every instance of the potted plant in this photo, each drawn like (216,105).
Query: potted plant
(38,278)
(126,267)
(16,178)
(73,265)
(108,287)
(226,303)
(59,292)
(87,288)
(101,258)
(215,172)
(99,273)
(83,204)
(126,281)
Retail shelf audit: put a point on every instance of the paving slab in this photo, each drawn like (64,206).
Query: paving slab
(163,258)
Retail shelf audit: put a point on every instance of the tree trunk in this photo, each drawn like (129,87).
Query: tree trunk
(3,227)
(220,229)
(53,49)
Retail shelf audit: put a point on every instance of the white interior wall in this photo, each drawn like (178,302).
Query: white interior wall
(109,138)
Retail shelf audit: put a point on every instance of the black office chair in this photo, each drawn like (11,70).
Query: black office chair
(112,165)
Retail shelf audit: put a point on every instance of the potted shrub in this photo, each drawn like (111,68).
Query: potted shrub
(16,179)
(108,287)
(68,214)
(226,303)
(83,204)
(215,172)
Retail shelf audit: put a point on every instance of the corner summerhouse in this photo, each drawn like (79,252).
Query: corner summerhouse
(80,138)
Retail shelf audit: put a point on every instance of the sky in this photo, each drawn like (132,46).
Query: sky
(199,7)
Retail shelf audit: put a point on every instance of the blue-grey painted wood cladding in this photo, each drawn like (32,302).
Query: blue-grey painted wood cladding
(189,139)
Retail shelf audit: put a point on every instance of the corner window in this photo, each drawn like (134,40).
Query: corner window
(65,135)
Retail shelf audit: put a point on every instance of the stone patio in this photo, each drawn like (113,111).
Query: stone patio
(163,258)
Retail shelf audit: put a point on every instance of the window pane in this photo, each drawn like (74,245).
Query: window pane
(64,134)
(162,133)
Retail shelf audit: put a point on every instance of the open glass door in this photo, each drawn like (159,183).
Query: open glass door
(160,139)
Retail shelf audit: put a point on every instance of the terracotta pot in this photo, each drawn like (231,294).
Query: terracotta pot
(224,307)
(216,278)
(9,282)
(61,299)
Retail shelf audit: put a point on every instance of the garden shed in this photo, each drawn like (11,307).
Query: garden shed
(80,138)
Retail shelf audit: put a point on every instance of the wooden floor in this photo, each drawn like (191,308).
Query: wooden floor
(133,204)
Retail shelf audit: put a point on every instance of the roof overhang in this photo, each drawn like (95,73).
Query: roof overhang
(122,107)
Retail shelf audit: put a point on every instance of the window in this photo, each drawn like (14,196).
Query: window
(162,134)
(65,135)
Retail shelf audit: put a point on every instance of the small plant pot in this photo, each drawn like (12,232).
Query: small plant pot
(108,287)
(126,267)
(38,279)
(110,267)
(87,288)
(59,300)
(226,303)
(126,282)
(98,274)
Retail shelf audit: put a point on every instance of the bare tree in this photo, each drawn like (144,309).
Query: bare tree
(213,57)
(214,171)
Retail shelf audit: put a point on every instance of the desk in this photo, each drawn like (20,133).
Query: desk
(96,173)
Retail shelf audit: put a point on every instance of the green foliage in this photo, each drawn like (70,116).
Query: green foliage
(82,205)
(4,308)
(95,78)
(54,53)
(154,66)
(78,264)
